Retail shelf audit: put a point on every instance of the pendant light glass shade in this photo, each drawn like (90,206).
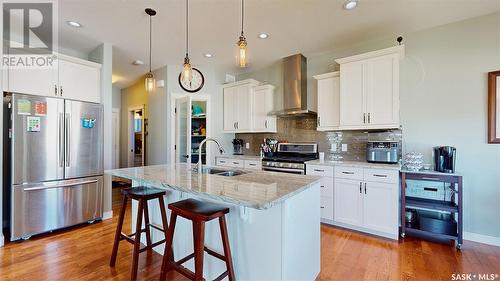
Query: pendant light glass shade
(242,42)
(150,82)
(242,46)
(187,71)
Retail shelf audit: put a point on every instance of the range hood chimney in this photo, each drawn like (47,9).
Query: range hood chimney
(294,88)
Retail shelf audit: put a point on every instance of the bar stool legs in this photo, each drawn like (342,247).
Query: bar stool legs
(142,195)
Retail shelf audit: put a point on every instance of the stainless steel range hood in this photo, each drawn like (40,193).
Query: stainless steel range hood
(295,98)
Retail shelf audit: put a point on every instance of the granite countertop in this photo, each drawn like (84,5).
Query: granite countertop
(242,157)
(361,164)
(255,189)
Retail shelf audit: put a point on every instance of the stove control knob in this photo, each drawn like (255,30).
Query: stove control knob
(295,166)
(281,165)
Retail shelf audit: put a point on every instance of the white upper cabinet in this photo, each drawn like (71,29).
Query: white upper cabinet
(328,101)
(246,105)
(79,80)
(70,78)
(33,81)
(369,90)
(263,103)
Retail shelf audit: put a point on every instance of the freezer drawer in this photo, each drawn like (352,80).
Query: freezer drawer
(42,207)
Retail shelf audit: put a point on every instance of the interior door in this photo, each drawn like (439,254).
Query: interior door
(183,130)
(37,134)
(382,103)
(352,95)
(380,207)
(348,202)
(83,139)
(79,82)
(230,101)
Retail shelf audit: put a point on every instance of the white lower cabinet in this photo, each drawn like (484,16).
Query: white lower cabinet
(363,199)
(348,202)
(238,163)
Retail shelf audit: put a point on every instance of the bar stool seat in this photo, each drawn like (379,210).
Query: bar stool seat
(198,212)
(143,195)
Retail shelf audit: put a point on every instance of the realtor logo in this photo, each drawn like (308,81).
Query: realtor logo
(29,33)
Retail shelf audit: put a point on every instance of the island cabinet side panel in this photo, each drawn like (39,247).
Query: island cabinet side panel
(302,235)
(255,238)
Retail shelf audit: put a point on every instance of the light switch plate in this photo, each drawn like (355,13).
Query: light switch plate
(247,145)
(344,147)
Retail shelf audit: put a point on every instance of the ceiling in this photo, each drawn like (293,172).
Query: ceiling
(307,26)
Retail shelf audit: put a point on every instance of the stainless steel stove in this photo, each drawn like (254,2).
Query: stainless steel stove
(290,158)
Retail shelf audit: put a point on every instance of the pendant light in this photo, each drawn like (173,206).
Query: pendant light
(150,82)
(187,70)
(242,42)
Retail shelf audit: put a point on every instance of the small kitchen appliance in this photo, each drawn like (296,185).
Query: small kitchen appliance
(445,158)
(237,146)
(382,152)
(290,158)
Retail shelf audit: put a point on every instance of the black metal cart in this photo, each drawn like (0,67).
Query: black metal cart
(452,206)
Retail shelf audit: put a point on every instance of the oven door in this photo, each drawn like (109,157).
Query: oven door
(284,170)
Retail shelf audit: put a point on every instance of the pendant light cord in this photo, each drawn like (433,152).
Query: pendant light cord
(187,28)
(150,40)
(242,15)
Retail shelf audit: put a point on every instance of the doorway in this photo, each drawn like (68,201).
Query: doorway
(136,137)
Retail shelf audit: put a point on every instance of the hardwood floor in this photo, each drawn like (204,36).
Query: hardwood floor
(82,253)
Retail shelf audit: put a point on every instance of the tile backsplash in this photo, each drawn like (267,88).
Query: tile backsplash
(303,129)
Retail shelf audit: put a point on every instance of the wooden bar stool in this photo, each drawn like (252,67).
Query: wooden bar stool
(199,213)
(141,194)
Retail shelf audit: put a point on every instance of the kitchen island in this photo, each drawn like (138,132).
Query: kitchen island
(273,224)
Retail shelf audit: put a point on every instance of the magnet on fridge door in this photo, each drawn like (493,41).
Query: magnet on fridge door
(23,107)
(33,124)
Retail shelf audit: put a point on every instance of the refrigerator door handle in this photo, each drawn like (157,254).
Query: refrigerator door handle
(61,140)
(41,187)
(67,140)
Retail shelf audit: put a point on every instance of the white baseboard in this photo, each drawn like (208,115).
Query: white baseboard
(1,240)
(485,239)
(107,215)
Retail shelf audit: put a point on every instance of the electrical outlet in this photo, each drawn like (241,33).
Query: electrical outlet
(247,145)
(333,147)
(344,147)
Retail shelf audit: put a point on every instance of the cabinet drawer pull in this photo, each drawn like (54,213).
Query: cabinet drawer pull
(252,164)
(236,163)
(321,207)
(222,161)
(318,170)
(430,179)
(348,173)
(380,176)
(322,186)
(430,189)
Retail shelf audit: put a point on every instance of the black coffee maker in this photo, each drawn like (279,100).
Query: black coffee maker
(445,158)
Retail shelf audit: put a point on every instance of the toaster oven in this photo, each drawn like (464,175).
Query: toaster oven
(382,152)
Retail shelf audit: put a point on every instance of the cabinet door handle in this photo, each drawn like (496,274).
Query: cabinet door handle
(237,125)
(318,170)
(348,173)
(364,118)
(380,176)
(265,124)
(55,90)
(61,91)
(365,187)
(319,121)
(360,187)
(369,119)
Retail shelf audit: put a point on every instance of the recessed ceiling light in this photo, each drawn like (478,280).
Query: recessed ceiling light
(208,55)
(263,36)
(350,4)
(138,62)
(74,23)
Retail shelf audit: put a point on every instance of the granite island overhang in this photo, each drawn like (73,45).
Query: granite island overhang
(273,225)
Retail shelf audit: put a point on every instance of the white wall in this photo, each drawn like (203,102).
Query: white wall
(104,55)
(157,100)
(443,102)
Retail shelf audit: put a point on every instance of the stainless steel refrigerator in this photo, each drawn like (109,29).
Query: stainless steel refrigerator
(54,156)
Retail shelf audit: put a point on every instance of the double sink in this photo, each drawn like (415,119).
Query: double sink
(221,172)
